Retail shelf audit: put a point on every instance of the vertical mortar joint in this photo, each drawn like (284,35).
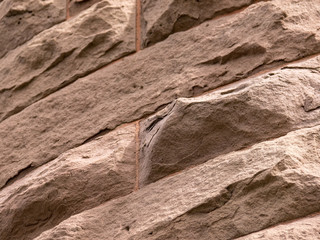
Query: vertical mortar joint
(136,187)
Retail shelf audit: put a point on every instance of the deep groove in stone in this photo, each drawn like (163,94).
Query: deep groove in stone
(97,135)
(21,173)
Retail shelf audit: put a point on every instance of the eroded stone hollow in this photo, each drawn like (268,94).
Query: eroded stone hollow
(149,119)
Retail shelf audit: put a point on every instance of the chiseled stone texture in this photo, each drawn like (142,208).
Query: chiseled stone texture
(77,6)
(66,52)
(193,130)
(227,197)
(21,20)
(162,18)
(186,64)
(301,229)
(79,179)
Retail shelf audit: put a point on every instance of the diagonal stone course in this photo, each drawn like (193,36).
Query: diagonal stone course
(62,54)
(301,229)
(22,20)
(79,179)
(192,130)
(227,197)
(192,62)
(162,18)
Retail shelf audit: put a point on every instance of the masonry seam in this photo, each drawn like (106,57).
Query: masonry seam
(137,141)
(138,25)
(67,9)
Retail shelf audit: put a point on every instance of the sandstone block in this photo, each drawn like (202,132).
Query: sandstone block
(301,229)
(79,179)
(193,130)
(76,6)
(192,62)
(22,20)
(162,18)
(227,197)
(66,52)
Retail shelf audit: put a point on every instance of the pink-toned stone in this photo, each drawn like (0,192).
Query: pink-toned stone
(192,130)
(22,20)
(165,17)
(192,62)
(77,6)
(61,55)
(79,179)
(227,197)
(300,229)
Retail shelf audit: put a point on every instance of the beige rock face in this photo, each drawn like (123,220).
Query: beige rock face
(21,20)
(191,131)
(191,62)
(227,197)
(77,6)
(66,52)
(302,229)
(241,161)
(78,180)
(162,18)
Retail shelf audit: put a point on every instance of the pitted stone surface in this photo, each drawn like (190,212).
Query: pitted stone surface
(61,55)
(22,20)
(301,229)
(79,179)
(227,197)
(186,64)
(162,18)
(77,6)
(193,130)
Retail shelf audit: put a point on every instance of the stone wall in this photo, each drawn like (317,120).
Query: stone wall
(159,119)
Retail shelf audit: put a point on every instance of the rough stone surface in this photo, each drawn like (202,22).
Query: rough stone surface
(162,18)
(302,229)
(227,197)
(78,180)
(241,161)
(193,130)
(76,6)
(191,62)
(21,20)
(66,52)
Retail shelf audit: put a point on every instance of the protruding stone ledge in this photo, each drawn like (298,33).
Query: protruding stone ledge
(79,179)
(77,6)
(22,20)
(227,197)
(191,131)
(186,64)
(162,18)
(301,229)
(59,56)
